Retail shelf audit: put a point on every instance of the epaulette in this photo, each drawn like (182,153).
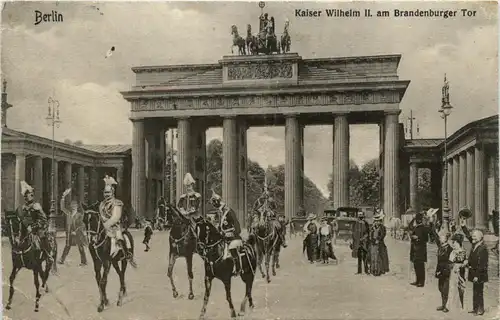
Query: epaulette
(182,196)
(118,202)
(37,206)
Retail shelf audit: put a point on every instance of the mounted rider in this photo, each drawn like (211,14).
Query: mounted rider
(229,227)
(190,202)
(34,219)
(110,210)
(265,205)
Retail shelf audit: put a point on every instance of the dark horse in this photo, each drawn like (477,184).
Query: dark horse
(268,244)
(211,247)
(100,250)
(26,255)
(182,241)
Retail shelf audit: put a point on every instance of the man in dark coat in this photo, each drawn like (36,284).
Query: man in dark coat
(359,245)
(443,267)
(478,267)
(418,248)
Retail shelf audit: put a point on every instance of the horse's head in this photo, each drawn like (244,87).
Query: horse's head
(234,29)
(208,236)
(92,221)
(177,217)
(14,226)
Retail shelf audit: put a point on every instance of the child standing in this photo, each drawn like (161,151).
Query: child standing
(148,232)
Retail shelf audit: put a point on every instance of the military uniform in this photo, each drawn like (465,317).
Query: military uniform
(111,210)
(32,216)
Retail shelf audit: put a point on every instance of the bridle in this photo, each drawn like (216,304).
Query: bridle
(203,247)
(95,234)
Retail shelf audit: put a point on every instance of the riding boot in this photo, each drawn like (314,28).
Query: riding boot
(236,261)
(45,247)
(128,254)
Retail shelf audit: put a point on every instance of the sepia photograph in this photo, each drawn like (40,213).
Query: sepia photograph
(249,160)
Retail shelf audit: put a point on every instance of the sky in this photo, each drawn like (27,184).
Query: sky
(65,60)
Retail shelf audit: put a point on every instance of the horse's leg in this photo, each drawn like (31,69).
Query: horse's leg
(45,275)
(268,260)
(275,264)
(124,269)
(102,284)
(260,257)
(248,278)
(227,286)
(277,257)
(189,263)
(171,263)
(12,277)
(208,288)
(97,271)
(36,272)
(121,275)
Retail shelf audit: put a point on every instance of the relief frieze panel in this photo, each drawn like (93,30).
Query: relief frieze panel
(260,71)
(281,100)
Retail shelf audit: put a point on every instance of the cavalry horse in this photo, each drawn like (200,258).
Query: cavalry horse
(182,243)
(26,255)
(211,248)
(238,41)
(268,242)
(100,251)
(262,43)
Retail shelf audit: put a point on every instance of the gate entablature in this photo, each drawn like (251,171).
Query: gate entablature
(273,84)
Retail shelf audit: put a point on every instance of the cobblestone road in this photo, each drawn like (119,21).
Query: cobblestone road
(299,291)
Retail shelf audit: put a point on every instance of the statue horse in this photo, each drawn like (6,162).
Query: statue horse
(285,39)
(182,243)
(237,41)
(100,251)
(211,247)
(26,255)
(262,43)
(268,243)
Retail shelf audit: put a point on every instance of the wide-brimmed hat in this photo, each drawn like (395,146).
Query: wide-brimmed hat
(311,216)
(410,211)
(379,216)
(324,219)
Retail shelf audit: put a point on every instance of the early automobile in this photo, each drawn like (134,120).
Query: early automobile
(345,217)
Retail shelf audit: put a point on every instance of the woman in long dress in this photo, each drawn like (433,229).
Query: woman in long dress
(457,276)
(379,258)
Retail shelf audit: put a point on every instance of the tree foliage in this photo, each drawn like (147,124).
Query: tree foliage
(313,198)
(363,184)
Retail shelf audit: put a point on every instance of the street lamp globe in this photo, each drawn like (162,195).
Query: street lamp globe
(447,109)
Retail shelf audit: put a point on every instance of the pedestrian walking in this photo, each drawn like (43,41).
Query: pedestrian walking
(148,233)
(418,248)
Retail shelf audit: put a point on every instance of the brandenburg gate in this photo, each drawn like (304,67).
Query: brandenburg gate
(264,90)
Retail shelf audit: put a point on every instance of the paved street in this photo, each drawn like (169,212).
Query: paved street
(299,291)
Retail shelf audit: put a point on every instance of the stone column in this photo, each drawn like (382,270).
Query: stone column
(138,185)
(456,183)
(391,166)
(93,185)
(183,154)
(462,187)
(470,179)
(55,187)
(68,172)
(120,180)
(381,162)
(479,188)
(38,179)
(230,162)
(413,185)
(302,172)
(81,184)
(449,163)
(19,176)
(243,171)
(436,181)
(292,166)
(198,158)
(340,161)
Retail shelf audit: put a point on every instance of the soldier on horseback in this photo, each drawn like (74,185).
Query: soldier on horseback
(34,219)
(229,227)
(266,206)
(190,202)
(111,210)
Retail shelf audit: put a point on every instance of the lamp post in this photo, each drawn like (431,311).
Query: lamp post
(445,111)
(53,121)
